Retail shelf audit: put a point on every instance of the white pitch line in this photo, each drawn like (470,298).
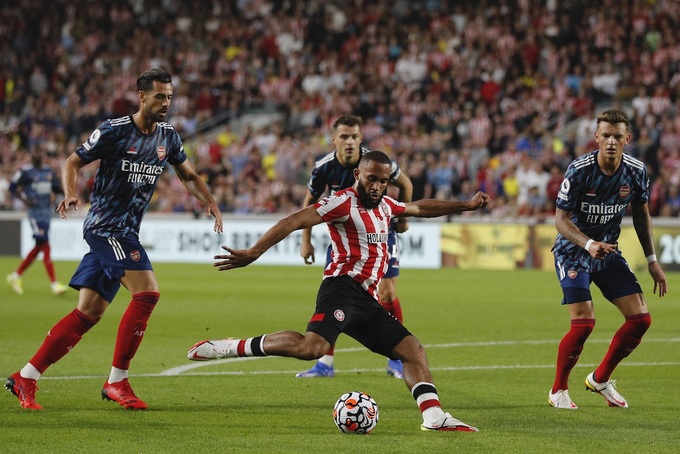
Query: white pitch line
(182,370)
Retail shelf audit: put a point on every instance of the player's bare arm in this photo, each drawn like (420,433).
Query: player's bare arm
(197,187)
(69,182)
(306,217)
(642,222)
(306,246)
(568,229)
(431,208)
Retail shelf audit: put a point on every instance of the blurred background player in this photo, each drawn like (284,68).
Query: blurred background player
(333,172)
(36,185)
(593,198)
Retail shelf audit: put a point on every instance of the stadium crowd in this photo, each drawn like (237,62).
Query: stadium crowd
(497,96)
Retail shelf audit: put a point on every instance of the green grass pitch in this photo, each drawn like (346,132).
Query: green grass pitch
(491,338)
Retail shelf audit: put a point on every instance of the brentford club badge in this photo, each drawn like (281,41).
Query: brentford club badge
(624,191)
(135,255)
(572,274)
(339,315)
(160,151)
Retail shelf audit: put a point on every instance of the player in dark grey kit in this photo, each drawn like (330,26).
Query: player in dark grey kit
(133,152)
(595,194)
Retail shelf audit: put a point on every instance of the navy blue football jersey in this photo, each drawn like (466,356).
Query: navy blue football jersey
(329,174)
(131,163)
(37,184)
(597,203)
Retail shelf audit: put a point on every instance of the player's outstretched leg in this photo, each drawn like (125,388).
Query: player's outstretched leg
(207,350)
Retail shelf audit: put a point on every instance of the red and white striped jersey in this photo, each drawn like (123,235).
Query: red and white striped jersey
(358,236)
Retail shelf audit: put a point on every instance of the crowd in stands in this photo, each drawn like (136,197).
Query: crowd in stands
(492,95)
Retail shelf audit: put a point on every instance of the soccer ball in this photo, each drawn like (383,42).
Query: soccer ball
(355,413)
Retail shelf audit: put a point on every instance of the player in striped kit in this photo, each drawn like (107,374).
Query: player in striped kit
(333,172)
(35,186)
(133,152)
(347,302)
(596,191)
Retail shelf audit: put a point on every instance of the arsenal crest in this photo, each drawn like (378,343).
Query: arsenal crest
(624,191)
(135,255)
(160,151)
(572,274)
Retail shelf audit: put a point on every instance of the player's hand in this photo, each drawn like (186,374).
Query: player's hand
(213,210)
(479,200)
(237,258)
(401,225)
(68,202)
(599,250)
(307,252)
(659,278)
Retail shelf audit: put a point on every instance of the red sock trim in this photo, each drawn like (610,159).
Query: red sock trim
(429,404)
(146,297)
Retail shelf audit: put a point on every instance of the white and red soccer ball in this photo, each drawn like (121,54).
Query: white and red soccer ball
(355,413)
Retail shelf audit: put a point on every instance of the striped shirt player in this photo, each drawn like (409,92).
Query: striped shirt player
(597,191)
(359,237)
(358,220)
(332,173)
(133,152)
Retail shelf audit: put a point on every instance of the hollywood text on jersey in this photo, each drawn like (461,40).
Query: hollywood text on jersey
(376,238)
(139,172)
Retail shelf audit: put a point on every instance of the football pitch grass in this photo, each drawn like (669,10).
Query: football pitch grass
(491,339)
